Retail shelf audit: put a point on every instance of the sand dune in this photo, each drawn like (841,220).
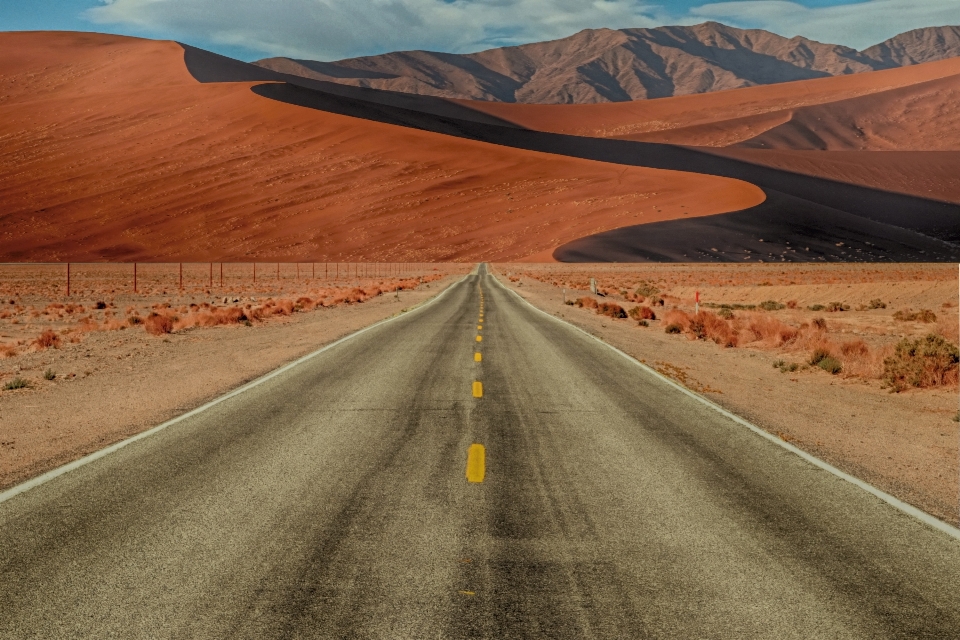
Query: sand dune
(113,150)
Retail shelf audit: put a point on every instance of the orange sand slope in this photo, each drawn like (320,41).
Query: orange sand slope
(114,151)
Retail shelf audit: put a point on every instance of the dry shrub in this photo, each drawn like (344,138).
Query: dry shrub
(706,325)
(586,302)
(642,313)
(158,324)
(8,350)
(113,324)
(47,339)
(611,310)
(947,327)
(866,364)
(854,348)
(930,361)
(907,315)
(767,329)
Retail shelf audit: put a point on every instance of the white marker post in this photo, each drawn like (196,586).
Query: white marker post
(697,306)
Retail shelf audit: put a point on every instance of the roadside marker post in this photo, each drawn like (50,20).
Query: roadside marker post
(697,304)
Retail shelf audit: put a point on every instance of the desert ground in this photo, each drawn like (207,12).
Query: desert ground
(78,373)
(900,437)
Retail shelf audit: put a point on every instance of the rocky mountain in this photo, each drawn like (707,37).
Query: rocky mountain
(607,65)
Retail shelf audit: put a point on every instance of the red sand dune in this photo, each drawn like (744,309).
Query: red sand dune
(831,128)
(113,151)
(752,109)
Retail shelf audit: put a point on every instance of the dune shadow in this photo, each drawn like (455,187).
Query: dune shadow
(831,220)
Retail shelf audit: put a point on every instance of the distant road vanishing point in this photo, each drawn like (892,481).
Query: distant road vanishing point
(470,469)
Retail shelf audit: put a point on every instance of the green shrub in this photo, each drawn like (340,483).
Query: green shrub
(643,323)
(771,305)
(673,327)
(877,303)
(924,315)
(777,364)
(930,361)
(49,374)
(818,356)
(837,306)
(646,289)
(830,365)
(17,383)
(725,313)
(816,307)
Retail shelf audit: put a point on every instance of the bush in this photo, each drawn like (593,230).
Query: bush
(771,305)
(101,305)
(587,302)
(157,324)
(673,327)
(646,290)
(47,339)
(611,310)
(818,356)
(726,313)
(830,365)
(134,320)
(819,323)
(49,374)
(17,383)
(837,306)
(642,313)
(930,361)
(877,303)
(924,315)
(816,307)
(643,323)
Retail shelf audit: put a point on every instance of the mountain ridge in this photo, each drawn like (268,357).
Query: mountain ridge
(619,65)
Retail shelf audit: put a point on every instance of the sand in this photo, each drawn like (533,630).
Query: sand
(114,151)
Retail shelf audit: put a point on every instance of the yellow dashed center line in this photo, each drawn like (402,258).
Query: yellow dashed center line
(479,327)
(477,357)
(479,338)
(476,463)
(478,389)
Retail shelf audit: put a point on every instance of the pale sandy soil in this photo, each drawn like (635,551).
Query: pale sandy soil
(114,384)
(904,443)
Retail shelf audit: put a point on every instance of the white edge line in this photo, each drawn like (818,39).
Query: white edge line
(96,455)
(908,509)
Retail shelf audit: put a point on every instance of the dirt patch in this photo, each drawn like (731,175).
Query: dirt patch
(904,443)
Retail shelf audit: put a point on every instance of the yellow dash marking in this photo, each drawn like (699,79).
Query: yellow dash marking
(479,338)
(476,466)
(477,357)
(477,389)
(467,593)
(479,327)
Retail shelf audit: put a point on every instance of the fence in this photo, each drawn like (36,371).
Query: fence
(72,279)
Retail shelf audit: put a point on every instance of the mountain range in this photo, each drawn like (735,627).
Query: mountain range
(619,65)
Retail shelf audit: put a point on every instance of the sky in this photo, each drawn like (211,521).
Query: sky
(335,29)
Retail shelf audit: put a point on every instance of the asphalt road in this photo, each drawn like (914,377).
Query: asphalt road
(332,501)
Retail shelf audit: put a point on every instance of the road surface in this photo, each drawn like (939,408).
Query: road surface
(376,491)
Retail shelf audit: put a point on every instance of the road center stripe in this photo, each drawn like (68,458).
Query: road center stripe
(476,463)
(477,389)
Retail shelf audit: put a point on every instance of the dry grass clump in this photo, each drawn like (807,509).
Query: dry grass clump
(642,313)
(8,350)
(907,315)
(930,361)
(159,324)
(611,310)
(46,340)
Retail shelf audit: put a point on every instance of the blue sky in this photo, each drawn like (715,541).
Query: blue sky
(333,29)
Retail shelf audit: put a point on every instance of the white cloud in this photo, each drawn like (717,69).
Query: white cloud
(858,25)
(332,29)
(329,29)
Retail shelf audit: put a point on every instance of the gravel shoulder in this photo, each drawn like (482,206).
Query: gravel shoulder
(115,384)
(905,444)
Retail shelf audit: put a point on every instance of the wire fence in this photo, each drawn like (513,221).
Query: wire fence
(151,278)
